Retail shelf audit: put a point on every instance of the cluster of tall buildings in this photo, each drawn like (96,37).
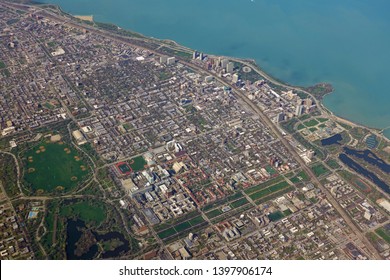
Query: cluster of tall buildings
(303,106)
(226,64)
(167,60)
(223,63)
(198,55)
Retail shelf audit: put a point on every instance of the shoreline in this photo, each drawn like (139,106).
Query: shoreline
(379,132)
(85,17)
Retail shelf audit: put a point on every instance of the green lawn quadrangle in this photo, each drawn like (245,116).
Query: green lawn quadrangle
(167,233)
(269,190)
(311,123)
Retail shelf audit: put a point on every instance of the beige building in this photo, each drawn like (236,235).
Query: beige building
(79,137)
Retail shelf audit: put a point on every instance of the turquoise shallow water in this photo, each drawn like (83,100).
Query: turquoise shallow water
(387,133)
(302,42)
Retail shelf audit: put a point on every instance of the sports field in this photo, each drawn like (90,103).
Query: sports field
(53,167)
(138,163)
(124,168)
(275,216)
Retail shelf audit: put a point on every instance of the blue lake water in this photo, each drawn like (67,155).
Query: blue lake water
(335,139)
(302,42)
(369,157)
(387,133)
(365,172)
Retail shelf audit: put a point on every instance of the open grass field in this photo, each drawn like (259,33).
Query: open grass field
(362,186)
(264,185)
(319,170)
(275,216)
(321,120)
(301,176)
(239,202)
(173,222)
(52,225)
(180,227)
(304,117)
(332,163)
(8,175)
(86,211)
(127,126)
(50,222)
(196,221)
(385,234)
(137,163)
(166,233)
(53,167)
(268,191)
(214,213)
(270,170)
(274,195)
(311,123)
(218,203)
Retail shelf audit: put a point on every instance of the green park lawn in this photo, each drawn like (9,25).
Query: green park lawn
(53,166)
(301,176)
(382,232)
(85,210)
(311,123)
(319,170)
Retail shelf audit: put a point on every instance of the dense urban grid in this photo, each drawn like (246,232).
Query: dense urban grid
(115,145)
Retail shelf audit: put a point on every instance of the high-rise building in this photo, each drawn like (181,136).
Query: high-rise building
(163,59)
(230,67)
(218,62)
(280,117)
(310,154)
(194,55)
(171,60)
(235,78)
(208,79)
(224,62)
(308,102)
(299,110)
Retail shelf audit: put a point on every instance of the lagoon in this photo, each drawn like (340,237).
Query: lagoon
(365,172)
